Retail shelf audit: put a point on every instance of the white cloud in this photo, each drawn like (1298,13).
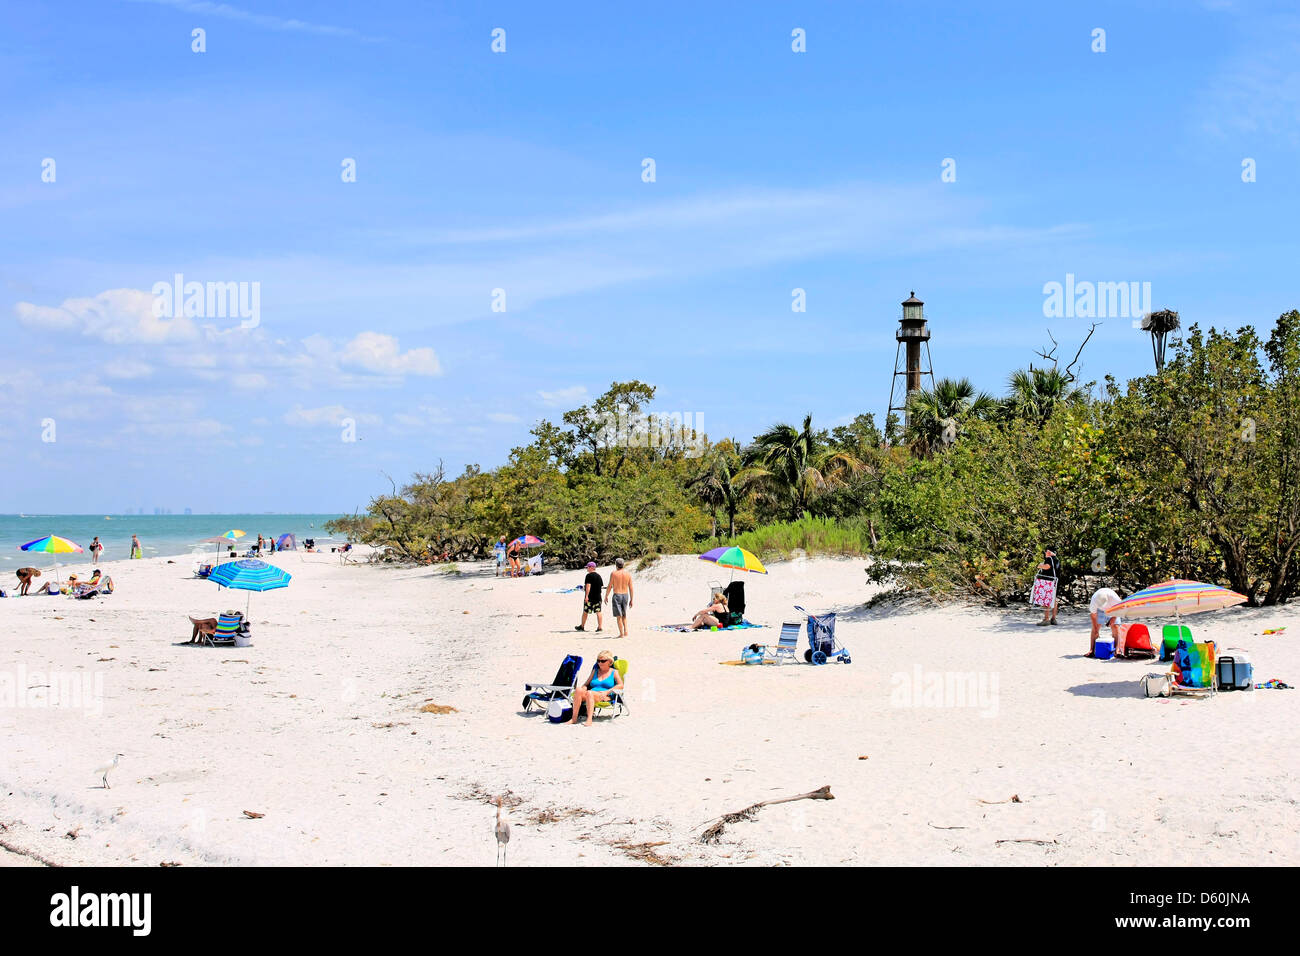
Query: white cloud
(207,8)
(117,316)
(503,417)
(327,415)
(128,369)
(380,354)
(574,394)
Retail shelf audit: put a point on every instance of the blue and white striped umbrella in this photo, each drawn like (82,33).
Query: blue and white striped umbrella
(250,575)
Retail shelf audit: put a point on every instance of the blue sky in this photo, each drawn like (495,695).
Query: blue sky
(522,171)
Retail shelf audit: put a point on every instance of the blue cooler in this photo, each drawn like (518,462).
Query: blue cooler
(1105,648)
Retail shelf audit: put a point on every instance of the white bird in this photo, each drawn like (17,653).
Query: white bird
(102,772)
(503,832)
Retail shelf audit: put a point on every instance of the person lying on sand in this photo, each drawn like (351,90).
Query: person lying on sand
(715,615)
(25,576)
(604,679)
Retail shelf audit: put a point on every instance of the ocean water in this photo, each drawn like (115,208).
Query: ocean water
(160,535)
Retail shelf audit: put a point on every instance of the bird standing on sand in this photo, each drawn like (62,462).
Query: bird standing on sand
(102,772)
(503,832)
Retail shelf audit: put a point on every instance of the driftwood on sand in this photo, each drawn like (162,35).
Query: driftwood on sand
(713,833)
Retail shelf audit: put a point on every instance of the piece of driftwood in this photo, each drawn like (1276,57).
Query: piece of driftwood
(1038,842)
(1014,798)
(713,833)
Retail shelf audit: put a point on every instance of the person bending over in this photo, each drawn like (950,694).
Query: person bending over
(25,577)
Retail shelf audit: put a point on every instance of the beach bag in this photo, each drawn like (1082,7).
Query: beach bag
(1043,593)
(1156,685)
(559,711)
(753,654)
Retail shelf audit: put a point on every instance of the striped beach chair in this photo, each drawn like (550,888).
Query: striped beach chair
(1194,669)
(787,645)
(228,627)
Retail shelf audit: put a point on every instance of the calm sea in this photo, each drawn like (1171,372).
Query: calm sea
(160,535)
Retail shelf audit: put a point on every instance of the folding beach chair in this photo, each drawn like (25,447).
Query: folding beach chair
(566,679)
(787,645)
(1193,670)
(617,702)
(1137,641)
(229,626)
(534,564)
(1169,638)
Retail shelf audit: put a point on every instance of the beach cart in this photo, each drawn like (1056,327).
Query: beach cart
(822,645)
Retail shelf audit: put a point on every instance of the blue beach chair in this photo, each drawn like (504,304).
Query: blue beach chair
(566,679)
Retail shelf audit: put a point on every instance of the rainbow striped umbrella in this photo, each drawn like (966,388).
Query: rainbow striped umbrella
(529,541)
(1176,598)
(52,544)
(738,559)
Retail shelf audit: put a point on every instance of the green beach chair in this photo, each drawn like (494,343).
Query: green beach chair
(1173,633)
(617,701)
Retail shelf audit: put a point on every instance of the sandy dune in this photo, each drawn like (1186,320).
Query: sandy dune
(318,726)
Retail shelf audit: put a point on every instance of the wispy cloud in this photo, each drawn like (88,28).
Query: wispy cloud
(266,21)
(1256,91)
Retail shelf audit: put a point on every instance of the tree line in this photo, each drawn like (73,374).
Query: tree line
(1191,472)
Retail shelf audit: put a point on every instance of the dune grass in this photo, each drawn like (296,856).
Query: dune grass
(813,536)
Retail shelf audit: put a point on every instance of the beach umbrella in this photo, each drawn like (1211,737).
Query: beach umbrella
(250,575)
(52,544)
(738,559)
(1176,598)
(529,541)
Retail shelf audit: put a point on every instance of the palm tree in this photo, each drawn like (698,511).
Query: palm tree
(1034,393)
(797,463)
(937,417)
(721,484)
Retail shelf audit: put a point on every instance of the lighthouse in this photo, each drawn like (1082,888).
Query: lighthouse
(913,332)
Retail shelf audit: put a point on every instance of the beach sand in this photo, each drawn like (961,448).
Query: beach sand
(318,727)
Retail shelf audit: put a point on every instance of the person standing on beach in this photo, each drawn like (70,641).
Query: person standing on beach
(499,549)
(95,548)
(512,552)
(136,550)
(1051,568)
(591,587)
(619,595)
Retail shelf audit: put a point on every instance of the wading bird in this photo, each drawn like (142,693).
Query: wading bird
(503,832)
(102,772)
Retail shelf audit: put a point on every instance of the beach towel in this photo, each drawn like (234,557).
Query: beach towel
(1273,684)
(576,587)
(1194,664)
(684,628)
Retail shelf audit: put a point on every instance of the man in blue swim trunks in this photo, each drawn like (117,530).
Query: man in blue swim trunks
(500,550)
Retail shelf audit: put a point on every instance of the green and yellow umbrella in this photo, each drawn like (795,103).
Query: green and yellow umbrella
(738,559)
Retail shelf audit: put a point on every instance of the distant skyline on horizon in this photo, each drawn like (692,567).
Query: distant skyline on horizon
(427,244)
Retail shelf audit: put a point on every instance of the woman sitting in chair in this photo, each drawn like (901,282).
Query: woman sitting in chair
(603,680)
(715,615)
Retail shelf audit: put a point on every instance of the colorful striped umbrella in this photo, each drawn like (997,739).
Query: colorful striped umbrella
(738,559)
(1176,598)
(529,541)
(250,575)
(52,544)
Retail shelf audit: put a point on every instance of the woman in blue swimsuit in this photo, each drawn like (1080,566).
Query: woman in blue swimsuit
(603,679)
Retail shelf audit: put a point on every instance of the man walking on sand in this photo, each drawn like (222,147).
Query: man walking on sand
(619,595)
(499,549)
(591,599)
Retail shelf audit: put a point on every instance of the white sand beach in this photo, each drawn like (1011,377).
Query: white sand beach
(318,727)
